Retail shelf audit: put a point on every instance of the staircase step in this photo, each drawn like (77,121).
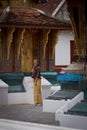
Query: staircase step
(79,109)
(63,94)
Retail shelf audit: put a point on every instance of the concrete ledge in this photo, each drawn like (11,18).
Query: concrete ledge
(3,93)
(28,96)
(19,98)
(50,105)
(18,125)
(45,87)
(69,105)
(71,121)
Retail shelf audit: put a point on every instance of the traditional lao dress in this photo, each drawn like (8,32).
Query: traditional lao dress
(37,85)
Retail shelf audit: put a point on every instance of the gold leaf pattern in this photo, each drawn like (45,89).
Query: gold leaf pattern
(26,52)
(45,40)
(55,36)
(19,41)
(10,32)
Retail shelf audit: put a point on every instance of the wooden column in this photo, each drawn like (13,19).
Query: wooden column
(26,52)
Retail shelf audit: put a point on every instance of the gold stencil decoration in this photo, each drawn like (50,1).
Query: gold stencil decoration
(45,40)
(54,40)
(26,52)
(20,36)
(10,32)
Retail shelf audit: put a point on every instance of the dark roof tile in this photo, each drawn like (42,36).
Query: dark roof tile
(32,17)
(48,7)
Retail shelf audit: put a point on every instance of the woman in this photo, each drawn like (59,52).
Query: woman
(37,82)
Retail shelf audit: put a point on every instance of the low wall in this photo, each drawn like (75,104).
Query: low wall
(3,93)
(50,105)
(28,96)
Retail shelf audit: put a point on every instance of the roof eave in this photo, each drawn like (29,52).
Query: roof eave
(36,26)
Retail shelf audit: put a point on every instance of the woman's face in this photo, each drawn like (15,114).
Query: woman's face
(35,62)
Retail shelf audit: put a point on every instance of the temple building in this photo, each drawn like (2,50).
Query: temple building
(28,33)
(55,32)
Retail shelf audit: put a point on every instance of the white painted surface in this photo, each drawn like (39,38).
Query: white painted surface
(23,97)
(19,125)
(3,93)
(28,96)
(69,105)
(55,88)
(62,49)
(52,105)
(20,98)
(3,84)
(61,105)
(58,8)
(46,87)
(71,121)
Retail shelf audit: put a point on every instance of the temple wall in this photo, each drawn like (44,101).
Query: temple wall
(18,48)
(11,64)
(62,49)
(19,56)
(47,59)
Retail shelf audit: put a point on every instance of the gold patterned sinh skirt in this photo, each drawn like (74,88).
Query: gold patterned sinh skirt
(37,92)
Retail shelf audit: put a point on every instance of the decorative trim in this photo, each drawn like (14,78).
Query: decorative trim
(55,36)
(19,41)
(10,32)
(45,40)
